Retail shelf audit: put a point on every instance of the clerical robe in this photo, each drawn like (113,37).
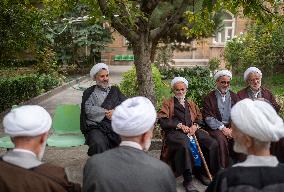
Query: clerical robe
(257,173)
(211,113)
(277,148)
(175,151)
(43,178)
(99,134)
(263,93)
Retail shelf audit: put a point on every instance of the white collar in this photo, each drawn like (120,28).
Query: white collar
(223,96)
(258,161)
(24,151)
(131,144)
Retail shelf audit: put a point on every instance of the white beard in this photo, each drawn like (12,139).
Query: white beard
(147,145)
(239,148)
(41,153)
(103,84)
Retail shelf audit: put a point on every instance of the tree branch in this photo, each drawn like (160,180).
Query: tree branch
(149,6)
(116,23)
(158,32)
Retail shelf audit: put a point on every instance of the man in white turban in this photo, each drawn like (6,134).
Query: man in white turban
(179,118)
(21,168)
(128,167)
(216,113)
(98,103)
(254,125)
(254,91)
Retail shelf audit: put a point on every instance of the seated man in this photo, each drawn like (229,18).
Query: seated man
(128,167)
(179,119)
(216,113)
(254,125)
(254,90)
(98,102)
(21,169)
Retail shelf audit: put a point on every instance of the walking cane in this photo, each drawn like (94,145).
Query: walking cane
(202,157)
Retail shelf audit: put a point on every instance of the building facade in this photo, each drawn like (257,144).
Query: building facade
(202,50)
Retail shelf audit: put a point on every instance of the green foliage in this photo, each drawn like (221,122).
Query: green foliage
(262,46)
(20,28)
(214,64)
(200,82)
(8,63)
(76,30)
(129,85)
(46,62)
(18,89)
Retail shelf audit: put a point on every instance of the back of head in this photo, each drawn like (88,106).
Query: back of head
(28,120)
(257,119)
(133,117)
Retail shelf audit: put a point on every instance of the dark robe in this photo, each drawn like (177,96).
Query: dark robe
(175,150)
(210,109)
(266,94)
(249,179)
(100,137)
(277,148)
(44,178)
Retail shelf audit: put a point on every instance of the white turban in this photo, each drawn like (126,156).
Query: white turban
(223,73)
(97,67)
(179,79)
(257,119)
(133,117)
(251,70)
(28,120)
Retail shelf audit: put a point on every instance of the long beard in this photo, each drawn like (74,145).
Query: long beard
(41,153)
(181,97)
(147,145)
(103,84)
(239,148)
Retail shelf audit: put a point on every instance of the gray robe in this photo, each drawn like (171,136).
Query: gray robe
(127,169)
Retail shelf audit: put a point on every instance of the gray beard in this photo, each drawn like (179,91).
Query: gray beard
(147,145)
(41,153)
(239,148)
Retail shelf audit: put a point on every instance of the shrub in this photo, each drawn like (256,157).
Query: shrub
(15,90)
(129,86)
(16,63)
(214,63)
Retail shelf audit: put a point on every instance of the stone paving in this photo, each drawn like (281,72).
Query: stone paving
(73,159)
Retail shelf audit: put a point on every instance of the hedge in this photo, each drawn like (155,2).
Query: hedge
(15,90)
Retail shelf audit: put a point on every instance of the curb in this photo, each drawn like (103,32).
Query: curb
(40,98)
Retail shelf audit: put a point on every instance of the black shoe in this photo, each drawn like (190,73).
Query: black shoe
(189,187)
(203,179)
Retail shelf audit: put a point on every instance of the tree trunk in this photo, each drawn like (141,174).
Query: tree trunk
(153,52)
(142,52)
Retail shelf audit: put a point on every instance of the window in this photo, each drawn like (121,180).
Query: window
(227,31)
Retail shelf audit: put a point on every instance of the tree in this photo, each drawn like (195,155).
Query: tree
(262,46)
(134,20)
(71,28)
(20,28)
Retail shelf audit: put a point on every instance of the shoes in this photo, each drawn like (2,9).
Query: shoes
(203,179)
(189,187)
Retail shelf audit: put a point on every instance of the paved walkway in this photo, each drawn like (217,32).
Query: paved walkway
(73,159)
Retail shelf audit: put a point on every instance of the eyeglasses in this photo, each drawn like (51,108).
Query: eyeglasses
(225,82)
